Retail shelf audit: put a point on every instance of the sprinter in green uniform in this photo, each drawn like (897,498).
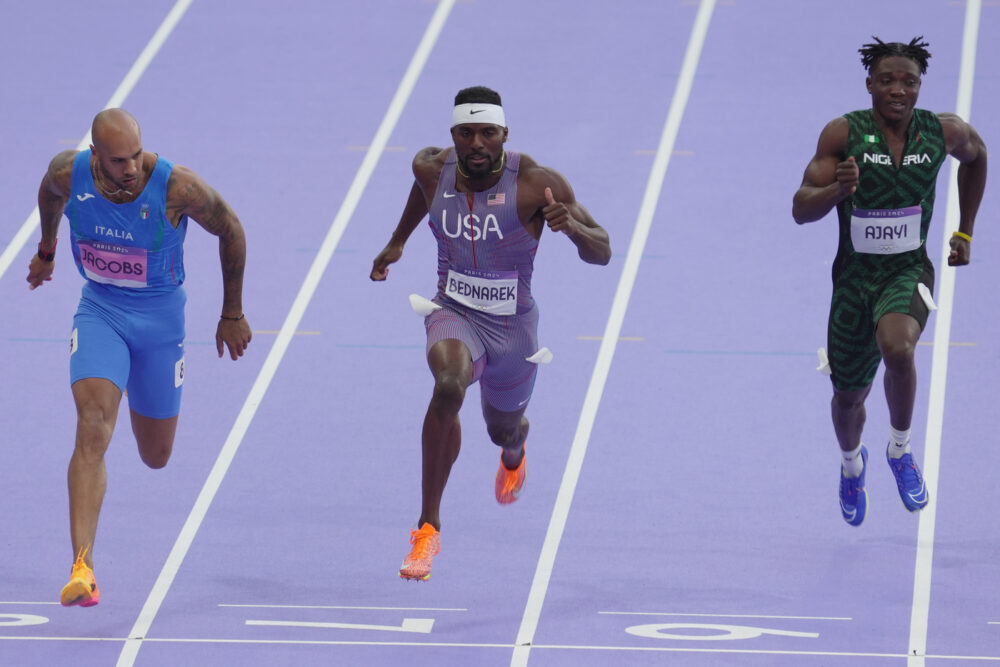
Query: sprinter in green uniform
(878,168)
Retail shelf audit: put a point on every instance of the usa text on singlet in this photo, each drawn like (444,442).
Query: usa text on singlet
(485,253)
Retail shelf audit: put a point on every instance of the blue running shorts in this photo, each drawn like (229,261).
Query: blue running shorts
(136,342)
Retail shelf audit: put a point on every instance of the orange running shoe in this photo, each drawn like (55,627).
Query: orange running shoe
(82,587)
(510,482)
(426,544)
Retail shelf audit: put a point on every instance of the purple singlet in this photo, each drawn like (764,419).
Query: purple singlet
(485,261)
(485,255)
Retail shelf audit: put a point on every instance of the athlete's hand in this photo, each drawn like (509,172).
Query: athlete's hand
(960,251)
(558,215)
(847,176)
(39,271)
(235,334)
(380,267)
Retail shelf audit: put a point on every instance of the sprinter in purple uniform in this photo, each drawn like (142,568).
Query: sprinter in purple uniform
(488,207)
(128,211)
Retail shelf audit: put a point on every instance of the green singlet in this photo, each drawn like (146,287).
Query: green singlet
(880,260)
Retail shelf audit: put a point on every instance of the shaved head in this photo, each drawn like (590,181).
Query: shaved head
(117,149)
(112,123)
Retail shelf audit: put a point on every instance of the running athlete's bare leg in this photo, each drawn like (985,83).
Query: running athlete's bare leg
(155,438)
(897,336)
(848,411)
(97,403)
(451,363)
(508,430)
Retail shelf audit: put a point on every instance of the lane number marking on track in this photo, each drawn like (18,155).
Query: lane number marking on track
(418,625)
(13,620)
(720,631)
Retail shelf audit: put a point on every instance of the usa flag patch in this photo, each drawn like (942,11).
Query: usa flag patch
(495,200)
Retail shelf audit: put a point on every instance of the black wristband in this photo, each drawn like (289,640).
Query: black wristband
(46,256)
(234,319)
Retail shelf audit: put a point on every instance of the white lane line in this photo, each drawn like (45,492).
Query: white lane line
(545,647)
(560,512)
(939,364)
(318,606)
(284,338)
(415,625)
(124,88)
(549,647)
(283,642)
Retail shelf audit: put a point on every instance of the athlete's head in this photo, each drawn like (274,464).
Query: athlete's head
(479,131)
(894,70)
(915,51)
(480,94)
(118,148)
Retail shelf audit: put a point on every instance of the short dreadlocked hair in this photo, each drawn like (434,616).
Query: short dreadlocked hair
(915,51)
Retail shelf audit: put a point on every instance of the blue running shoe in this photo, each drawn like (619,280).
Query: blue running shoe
(909,481)
(853,497)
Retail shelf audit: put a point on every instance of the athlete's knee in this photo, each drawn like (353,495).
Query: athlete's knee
(96,403)
(846,401)
(94,428)
(154,438)
(155,456)
(504,435)
(449,392)
(898,354)
(896,337)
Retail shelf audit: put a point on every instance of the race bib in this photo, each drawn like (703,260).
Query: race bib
(886,231)
(492,292)
(113,264)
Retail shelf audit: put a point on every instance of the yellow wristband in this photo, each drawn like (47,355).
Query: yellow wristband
(963,235)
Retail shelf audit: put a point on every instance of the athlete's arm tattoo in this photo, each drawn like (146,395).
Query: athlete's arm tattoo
(188,194)
(53,193)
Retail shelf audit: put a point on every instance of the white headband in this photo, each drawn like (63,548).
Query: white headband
(478,113)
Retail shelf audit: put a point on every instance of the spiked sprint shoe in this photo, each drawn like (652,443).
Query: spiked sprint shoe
(909,481)
(853,497)
(510,482)
(82,587)
(426,544)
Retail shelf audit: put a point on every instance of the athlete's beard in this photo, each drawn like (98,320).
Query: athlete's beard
(494,167)
(104,178)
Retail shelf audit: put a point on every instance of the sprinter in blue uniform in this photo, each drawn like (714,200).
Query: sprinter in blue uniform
(128,211)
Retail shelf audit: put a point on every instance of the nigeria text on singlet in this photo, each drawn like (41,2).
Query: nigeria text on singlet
(887,217)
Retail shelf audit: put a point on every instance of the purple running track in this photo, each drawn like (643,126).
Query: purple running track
(706,508)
